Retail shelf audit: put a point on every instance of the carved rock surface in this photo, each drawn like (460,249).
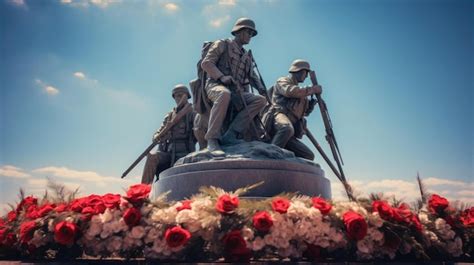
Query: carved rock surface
(245,164)
(246,150)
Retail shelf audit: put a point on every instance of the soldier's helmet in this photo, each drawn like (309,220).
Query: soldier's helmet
(298,65)
(180,88)
(244,23)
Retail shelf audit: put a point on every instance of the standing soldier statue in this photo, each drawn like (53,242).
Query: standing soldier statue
(230,71)
(173,142)
(285,120)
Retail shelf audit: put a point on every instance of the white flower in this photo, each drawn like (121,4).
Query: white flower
(455,247)
(51,225)
(114,244)
(151,235)
(424,219)
(94,229)
(107,216)
(444,229)
(375,220)
(364,246)
(247,233)
(258,243)
(137,232)
(38,238)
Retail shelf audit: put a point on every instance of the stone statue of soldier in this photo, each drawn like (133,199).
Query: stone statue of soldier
(230,69)
(285,120)
(177,142)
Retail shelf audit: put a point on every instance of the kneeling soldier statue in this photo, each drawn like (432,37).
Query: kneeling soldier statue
(177,141)
(285,120)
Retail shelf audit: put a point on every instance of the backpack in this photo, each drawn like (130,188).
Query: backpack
(201,102)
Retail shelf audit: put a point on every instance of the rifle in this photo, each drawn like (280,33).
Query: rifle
(330,138)
(261,79)
(157,139)
(239,89)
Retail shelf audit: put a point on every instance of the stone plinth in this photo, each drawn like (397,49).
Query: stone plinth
(278,175)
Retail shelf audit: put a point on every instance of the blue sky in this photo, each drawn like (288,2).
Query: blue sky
(85,83)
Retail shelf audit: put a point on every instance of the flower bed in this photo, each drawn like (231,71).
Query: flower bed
(216,225)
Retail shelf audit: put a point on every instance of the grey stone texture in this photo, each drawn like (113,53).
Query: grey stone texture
(244,164)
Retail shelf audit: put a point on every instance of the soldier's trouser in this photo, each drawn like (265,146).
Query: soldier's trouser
(220,97)
(284,137)
(155,163)
(200,128)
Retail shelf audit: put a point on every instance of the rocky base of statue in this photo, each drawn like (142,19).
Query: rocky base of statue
(244,164)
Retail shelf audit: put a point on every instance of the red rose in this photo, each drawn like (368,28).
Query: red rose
(415,222)
(78,204)
(95,201)
(226,204)
(280,204)
(356,225)
(137,193)
(384,209)
(65,232)
(11,216)
(61,208)
(177,236)
(402,214)
(262,221)
(26,231)
(9,240)
(87,213)
(185,205)
(132,216)
(467,217)
(26,202)
(32,212)
(437,203)
(323,206)
(235,248)
(3,234)
(111,200)
(45,209)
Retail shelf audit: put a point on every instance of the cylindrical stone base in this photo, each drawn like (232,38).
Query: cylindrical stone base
(279,176)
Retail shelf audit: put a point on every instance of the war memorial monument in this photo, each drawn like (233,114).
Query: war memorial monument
(244,138)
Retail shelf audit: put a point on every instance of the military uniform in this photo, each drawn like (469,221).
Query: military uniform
(227,58)
(178,142)
(285,119)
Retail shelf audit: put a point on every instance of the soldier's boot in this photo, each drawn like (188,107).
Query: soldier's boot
(214,147)
(230,138)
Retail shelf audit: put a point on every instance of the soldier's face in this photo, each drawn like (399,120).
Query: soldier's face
(244,35)
(301,75)
(180,98)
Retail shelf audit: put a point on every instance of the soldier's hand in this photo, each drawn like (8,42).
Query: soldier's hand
(316,89)
(226,79)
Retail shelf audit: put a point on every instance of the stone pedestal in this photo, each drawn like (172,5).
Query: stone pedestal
(279,170)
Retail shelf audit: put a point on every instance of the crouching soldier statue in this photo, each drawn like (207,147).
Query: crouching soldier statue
(285,120)
(177,141)
(230,72)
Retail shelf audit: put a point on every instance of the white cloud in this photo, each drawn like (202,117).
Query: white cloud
(227,2)
(172,7)
(80,75)
(218,22)
(13,172)
(48,89)
(409,190)
(438,182)
(20,3)
(87,176)
(87,3)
